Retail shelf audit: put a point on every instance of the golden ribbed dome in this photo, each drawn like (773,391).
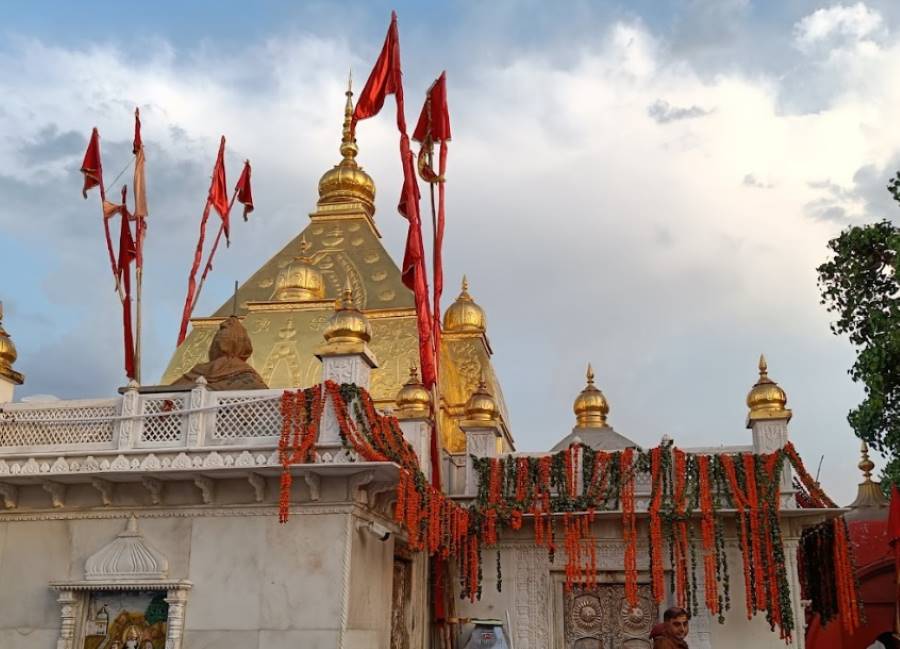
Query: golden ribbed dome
(348,324)
(766,399)
(481,405)
(591,406)
(413,400)
(464,314)
(8,354)
(346,181)
(301,280)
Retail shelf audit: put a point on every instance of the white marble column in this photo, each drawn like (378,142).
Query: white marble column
(69,612)
(176,599)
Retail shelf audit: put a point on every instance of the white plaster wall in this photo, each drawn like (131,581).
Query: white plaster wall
(257,583)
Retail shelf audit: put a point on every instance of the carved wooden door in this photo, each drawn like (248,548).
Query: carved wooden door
(401,615)
(601,618)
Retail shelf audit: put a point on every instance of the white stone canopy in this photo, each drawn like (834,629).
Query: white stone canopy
(128,557)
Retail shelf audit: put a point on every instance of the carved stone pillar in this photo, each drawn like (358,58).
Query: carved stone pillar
(176,599)
(196,420)
(481,441)
(69,612)
(418,433)
(342,367)
(130,429)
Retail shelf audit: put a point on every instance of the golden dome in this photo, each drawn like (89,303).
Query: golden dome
(464,315)
(481,405)
(346,181)
(8,354)
(348,324)
(766,399)
(591,406)
(413,400)
(301,280)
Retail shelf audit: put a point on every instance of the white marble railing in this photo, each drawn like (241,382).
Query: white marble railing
(194,419)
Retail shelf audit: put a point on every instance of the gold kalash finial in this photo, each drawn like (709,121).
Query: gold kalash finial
(348,139)
(868,493)
(346,182)
(591,406)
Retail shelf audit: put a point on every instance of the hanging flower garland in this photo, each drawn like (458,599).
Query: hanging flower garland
(687,495)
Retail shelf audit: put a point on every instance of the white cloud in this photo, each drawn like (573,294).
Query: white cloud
(837,23)
(645,247)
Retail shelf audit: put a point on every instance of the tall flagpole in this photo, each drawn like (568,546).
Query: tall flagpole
(139,274)
(212,251)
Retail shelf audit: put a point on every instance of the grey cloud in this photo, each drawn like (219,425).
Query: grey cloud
(49,145)
(663,112)
(869,187)
(750,180)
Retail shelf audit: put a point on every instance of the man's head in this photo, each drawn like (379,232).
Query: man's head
(677,620)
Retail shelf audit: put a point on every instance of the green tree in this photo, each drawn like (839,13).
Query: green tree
(860,286)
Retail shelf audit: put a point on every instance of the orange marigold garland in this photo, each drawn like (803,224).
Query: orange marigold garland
(629,525)
(575,482)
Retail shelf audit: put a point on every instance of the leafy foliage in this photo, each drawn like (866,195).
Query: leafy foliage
(860,286)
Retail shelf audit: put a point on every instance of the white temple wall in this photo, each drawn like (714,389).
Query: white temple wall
(319,582)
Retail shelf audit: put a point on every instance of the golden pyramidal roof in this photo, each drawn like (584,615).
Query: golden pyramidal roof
(287,305)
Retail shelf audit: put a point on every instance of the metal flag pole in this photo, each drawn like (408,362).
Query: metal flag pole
(234,300)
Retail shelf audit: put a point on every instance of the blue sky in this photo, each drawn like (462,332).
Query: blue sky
(658,178)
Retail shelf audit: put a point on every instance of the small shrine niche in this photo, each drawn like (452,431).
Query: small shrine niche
(126,599)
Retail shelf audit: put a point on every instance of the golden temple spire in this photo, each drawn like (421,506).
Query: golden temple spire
(766,400)
(8,356)
(301,280)
(591,406)
(868,494)
(346,182)
(865,464)
(481,405)
(413,399)
(348,324)
(464,315)
(349,148)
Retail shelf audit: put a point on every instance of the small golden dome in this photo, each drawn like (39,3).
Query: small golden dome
(481,405)
(766,399)
(8,354)
(591,406)
(413,400)
(346,181)
(348,324)
(301,280)
(464,315)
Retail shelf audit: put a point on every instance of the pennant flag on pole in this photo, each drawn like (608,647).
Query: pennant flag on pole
(139,189)
(243,190)
(386,79)
(127,254)
(218,190)
(434,125)
(218,177)
(91,167)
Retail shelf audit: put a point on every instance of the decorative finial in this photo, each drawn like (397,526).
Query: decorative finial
(348,139)
(763,367)
(347,294)
(413,372)
(234,300)
(304,246)
(590,375)
(865,464)
(465,284)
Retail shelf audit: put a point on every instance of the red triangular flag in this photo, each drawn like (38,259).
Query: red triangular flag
(91,167)
(384,80)
(218,189)
(434,120)
(244,191)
